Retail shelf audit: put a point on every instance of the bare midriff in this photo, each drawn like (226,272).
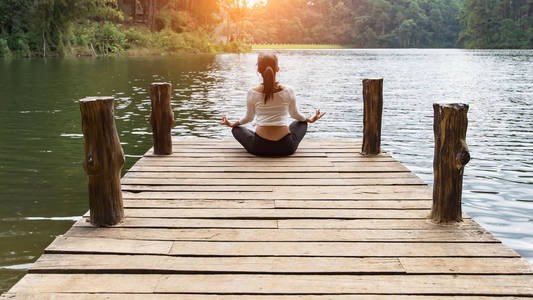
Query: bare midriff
(272,133)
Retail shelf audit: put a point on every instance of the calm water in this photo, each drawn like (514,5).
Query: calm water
(43,186)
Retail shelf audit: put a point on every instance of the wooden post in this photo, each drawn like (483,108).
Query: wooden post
(451,156)
(373,108)
(103,162)
(161,118)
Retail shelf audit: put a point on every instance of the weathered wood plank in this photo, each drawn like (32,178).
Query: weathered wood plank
(467,265)
(309,193)
(286,235)
(248,213)
(80,296)
(199,204)
(198,188)
(373,224)
(142,223)
(354,158)
(359,204)
(101,245)
(270,182)
(86,263)
(339,204)
(328,249)
(343,169)
(520,285)
(419,224)
(206,175)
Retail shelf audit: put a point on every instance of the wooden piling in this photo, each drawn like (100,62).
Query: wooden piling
(451,155)
(103,162)
(373,107)
(161,118)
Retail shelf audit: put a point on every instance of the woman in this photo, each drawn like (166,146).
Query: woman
(271,103)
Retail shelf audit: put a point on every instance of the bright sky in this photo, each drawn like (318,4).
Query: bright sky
(252,2)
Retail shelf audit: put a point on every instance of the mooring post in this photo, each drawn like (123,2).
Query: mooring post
(103,162)
(373,108)
(162,117)
(451,156)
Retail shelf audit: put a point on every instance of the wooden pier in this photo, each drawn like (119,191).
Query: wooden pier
(212,221)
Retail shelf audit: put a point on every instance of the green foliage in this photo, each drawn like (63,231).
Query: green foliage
(4,48)
(496,23)
(365,23)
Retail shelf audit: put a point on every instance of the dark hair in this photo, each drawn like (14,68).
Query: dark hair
(267,65)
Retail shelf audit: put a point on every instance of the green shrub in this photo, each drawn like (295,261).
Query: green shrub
(110,39)
(137,37)
(18,44)
(4,48)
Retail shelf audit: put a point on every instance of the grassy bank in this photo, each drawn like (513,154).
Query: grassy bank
(298,46)
(91,38)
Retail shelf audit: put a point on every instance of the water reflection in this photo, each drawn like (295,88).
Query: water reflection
(41,150)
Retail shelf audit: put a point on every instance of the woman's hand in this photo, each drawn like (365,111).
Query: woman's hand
(228,123)
(316,117)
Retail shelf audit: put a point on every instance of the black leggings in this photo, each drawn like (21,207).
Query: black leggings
(257,145)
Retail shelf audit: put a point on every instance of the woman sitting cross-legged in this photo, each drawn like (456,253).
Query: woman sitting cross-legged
(271,103)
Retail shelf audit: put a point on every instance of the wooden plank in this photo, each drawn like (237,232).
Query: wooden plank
(285,235)
(299,193)
(102,245)
(327,249)
(248,213)
(187,163)
(270,182)
(199,203)
(206,175)
(519,285)
(424,224)
(78,296)
(198,188)
(188,223)
(87,263)
(90,263)
(359,204)
(290,159)
(419,224)
(339,204)
(383,284)
(129,296)
(461,265)
(343,169)
(238,195)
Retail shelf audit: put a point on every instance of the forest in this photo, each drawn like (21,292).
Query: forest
(42,28)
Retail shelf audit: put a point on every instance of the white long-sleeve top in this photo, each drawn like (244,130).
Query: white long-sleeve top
(275,112)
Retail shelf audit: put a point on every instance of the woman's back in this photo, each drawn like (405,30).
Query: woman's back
(275,111)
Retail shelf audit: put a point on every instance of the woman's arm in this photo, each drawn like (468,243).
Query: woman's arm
(250,113)
(293,111)
(316,117)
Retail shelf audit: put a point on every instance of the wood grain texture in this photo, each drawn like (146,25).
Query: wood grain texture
(451,156)
(510,285)
(161,117)
(372,111)
(103,161)
(88,245)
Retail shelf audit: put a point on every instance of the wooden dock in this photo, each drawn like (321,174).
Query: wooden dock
(212,221)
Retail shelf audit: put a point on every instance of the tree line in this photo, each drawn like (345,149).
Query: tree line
(94,27)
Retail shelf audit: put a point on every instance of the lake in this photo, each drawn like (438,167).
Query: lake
(43,187)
